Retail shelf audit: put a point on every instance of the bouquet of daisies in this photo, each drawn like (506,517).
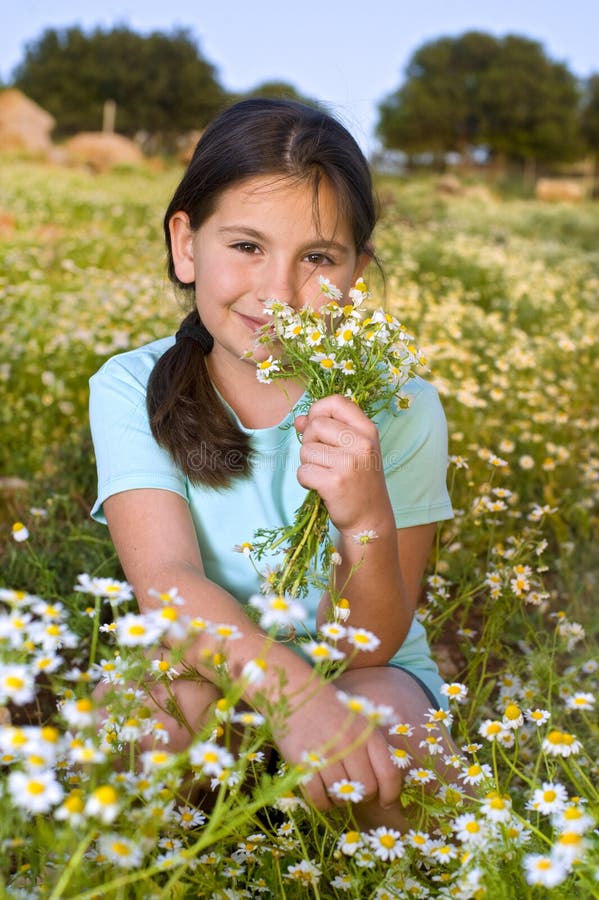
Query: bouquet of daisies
(339,348)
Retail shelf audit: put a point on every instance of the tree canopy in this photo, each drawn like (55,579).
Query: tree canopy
(160,82)
(590,115)
(476,89)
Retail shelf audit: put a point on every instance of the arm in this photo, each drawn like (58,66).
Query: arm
(155,540)
(341,459)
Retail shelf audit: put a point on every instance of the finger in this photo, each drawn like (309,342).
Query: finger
(316,794)
(338,407)
(300,423)
(389,777)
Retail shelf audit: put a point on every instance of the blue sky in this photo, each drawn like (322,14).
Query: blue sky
(348,53)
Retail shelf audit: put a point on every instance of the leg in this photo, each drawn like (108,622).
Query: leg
(396,688)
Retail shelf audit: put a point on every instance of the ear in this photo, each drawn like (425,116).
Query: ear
(182,247)
(361,263)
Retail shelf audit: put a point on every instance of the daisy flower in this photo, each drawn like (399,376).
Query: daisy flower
(400,757)
(476,773)
(469,830)
(103,804)
(455,691)
(19,532)
(350,791)
(16,684)
(34,792)
(134,630)
(362,639)
(325,360)
(538,717)
(333,631)
(349,842)
(497,808)
(266,369)
(561,743)
(580,700)
(364,537)
(386,843)
(115,591)
(402,728)
(320,651)
(329,290)
(120,850)
(546,871)
(549,798)
(277,611)
(211,758)
(306,872)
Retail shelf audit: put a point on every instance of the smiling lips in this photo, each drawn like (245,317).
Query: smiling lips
(253,322)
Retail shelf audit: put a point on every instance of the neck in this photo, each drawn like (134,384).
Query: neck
(257,405)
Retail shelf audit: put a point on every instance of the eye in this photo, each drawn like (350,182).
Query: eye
(319,259)
(245,247)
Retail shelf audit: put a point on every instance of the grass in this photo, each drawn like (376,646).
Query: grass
(503,296)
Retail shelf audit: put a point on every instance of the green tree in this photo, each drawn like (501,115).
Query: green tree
(437,107)
(529,104)
(504,93)
(589,116)
(160,82)
(280,90)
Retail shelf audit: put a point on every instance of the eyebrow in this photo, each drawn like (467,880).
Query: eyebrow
(259,236)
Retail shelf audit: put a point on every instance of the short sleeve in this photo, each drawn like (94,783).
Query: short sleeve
(127,456)
(415,457)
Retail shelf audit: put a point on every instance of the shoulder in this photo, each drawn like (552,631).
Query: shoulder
(423,412)
(134,366)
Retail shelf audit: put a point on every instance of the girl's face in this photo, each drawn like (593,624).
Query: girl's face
(262,241)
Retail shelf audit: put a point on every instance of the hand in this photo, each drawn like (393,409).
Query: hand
(341,460)
(323,725)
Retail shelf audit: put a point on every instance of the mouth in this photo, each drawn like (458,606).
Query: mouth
(254,323)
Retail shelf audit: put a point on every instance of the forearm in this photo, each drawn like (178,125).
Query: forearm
(369,576)
(286,676)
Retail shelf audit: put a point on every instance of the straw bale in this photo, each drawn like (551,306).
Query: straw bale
(24,126)
(101,151)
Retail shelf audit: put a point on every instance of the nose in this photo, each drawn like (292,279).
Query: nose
(278,280)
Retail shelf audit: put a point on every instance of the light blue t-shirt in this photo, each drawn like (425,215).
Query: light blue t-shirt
(414,453)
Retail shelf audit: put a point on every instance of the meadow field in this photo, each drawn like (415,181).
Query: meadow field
(503,296)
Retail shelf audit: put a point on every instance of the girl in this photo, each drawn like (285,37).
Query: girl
(192,458)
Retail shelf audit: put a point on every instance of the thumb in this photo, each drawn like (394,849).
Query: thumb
(300,423)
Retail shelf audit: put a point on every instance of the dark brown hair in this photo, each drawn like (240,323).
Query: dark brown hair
(253,137)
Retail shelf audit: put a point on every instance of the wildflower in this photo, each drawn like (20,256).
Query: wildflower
(325,360)
(34,792)
(580,700)
(537,716)
(355,704)
(512,716)
(469,830)
(561,743)
(254,671)
(546,871)
(306,872)
(342,883)
(314,337)
(570,846)
(120,850)
(103,804)
(364,537)
(328,289)
(210,758)
(572,818)
(333,631)
(342,610)
(20,532)
(362,639)
(420,840)
(402,728)
(526,462)
(16,684)
(115,591)
(248,718)
(476,773)
(266,369)
(137,630)
(496,807)
(350,791)
(320,651)
(349,842)
(455,691)
(78,713)
(400,757)
(72,809)
(442,851)
(277,611)
(420,776)
(346,366)
(386,843)
(549,798)
(245,548)
(163,669)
